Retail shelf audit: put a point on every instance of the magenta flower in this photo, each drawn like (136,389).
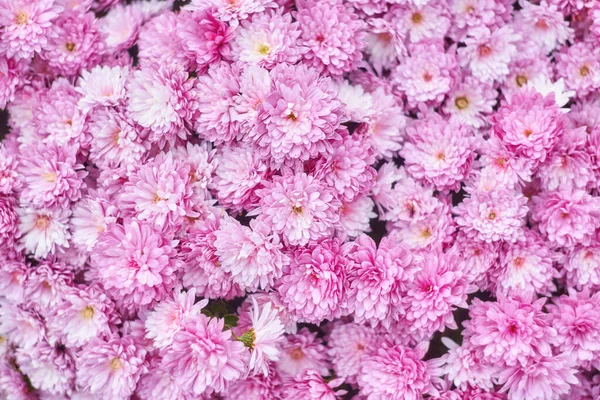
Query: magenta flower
(310,386)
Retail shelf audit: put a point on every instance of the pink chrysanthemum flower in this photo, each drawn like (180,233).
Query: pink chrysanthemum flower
(569,167)
(313,287)
(160,192)
(111,368)
(579,65)
(115,139)
(301,352)
(57,117)
(202,163)
(489,52)
(310,385)
(332,35)
(203,357)
(252,255)
(475,258)
(438,153)
(102,86)
(493,216)
(52,176)
(299,207)
(394,372)
(135,264)
(509,332)
(81,315)
(501,168)
(384,129)
(215,102)
(268,40)
(26,26)
(348,168)
(427,75)
(158,384)
(9,222)
(160,98)
(233,12)
(266,331)
(524,69)
(205,39)
(255,86)
(543,24)
(46,285)
(529,124)
(438,287)
(121,26)
(355,216)
(545,377)
(11,78)
(566,218)
(470,102)
(170,315)
(423,22)
(463,367)
(525,268)
(13,276)
(582,267)
(255,387)
(376,276)
(90,218)
(43,231)
(48,368)
(298,120)
(368,7)
(75,44)
(19,326)
(158,42)
(348,343)
(201,266)
(384,43)
(576,318)
(9,177)
(240,171)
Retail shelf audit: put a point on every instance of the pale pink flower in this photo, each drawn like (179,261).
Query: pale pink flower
(394,372)
(576,318)
(48,368)
(348,343)
(579,65)
(355,216)
(470,102)
(81,315)
(43,231)
(301,352)
(170,315)
(158,41)
(582,267)
(203,357)
(299,207)
(252,255)
(13,275)
(332,35)
(26,26)
(46,285)
(313,286)
(566,218)
(12,77)
(233,11)
(19,326)
(91,216)
(111,368)
(543,24)
(542,378)
(101,86)
(159,97)
(493,216)
(509,332)
(263,337)
(310,385)
(135,264)
(121,26)
(488,53)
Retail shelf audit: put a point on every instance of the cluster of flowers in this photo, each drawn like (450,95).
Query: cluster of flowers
(188,189)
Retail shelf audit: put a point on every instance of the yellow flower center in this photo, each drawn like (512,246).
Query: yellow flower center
(417,18)
(21,18)
(521,80)
(88,312)
(264,49)
(42,222)
(461,102)
(70,46)
(115,364)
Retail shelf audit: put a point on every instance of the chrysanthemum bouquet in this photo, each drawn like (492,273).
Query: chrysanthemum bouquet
(300,199)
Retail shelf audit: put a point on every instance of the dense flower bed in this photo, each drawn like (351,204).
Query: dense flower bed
(279,199)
